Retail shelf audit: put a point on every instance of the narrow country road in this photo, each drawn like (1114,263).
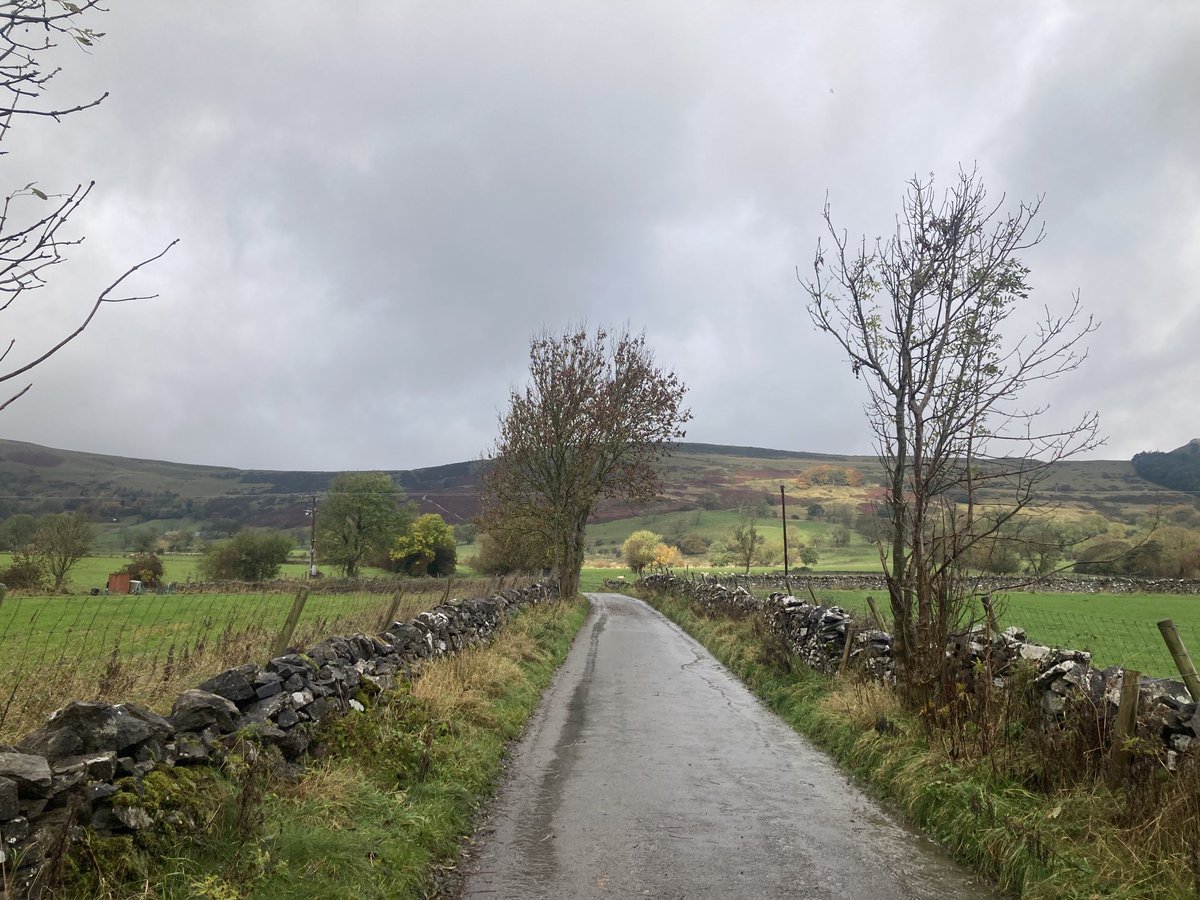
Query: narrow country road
(650,771)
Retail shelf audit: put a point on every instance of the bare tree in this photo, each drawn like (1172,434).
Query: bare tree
(61,541)
(744,541)
(924,317)
(33,236)
(595,418)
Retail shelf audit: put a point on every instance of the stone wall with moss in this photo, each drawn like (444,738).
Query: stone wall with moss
(114,768)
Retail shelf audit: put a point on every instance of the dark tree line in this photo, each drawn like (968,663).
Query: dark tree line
(1178,470)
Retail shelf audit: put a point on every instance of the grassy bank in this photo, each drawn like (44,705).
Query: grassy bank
(380,815)
(1026,814)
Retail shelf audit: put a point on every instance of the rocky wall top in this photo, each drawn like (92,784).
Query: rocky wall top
(873,581)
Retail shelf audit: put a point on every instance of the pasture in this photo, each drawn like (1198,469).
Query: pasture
(604,539)
(146,649)
(1117,629)
(92,571)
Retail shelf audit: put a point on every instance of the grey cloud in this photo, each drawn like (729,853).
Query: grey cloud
(378,209)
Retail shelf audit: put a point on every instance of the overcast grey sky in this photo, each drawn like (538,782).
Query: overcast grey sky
(379,202)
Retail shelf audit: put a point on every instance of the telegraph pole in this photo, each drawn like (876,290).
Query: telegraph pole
(312,537)
(783,513)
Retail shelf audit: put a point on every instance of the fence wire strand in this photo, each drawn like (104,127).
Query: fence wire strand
(147,648)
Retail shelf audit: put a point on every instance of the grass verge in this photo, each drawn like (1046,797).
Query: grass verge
(1006,813)
(381,814)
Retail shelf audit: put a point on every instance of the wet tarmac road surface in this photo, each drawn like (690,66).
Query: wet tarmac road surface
(650,771)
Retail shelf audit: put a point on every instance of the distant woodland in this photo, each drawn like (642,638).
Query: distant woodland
(1177,469)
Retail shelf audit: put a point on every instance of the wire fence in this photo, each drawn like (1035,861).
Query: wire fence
(147,648)
(1117,629)
(1129,643)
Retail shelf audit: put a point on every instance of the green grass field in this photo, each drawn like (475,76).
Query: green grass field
(604,539)
(1117,629)
(93,571)
(382,813)
(147,648)
(592,578)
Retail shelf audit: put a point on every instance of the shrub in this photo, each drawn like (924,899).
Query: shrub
(505,552)
(426,548)
(26,572)
(667,556)
(247,556)
(640,548)
(147,568)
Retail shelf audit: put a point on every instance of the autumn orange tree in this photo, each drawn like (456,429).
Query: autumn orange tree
(595,418)
(639,549)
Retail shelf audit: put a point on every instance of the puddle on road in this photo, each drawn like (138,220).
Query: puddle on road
(916,861)
(535,836)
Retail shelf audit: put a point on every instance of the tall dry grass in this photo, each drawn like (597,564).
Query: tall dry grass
(147,649)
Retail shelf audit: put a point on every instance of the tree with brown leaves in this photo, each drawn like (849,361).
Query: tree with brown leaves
(593,421)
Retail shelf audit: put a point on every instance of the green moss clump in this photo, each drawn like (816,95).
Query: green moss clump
(125,798)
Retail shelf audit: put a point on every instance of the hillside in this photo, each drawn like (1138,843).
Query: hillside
(38,479)
(1177,470)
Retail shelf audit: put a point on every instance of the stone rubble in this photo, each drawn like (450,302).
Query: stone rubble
(88,755)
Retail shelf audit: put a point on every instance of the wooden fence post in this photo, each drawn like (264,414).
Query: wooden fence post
(285,634)
(993,623)
(1118,758)
(1183,660)
(850,634)
(390,616)
(446,592)
(879,623)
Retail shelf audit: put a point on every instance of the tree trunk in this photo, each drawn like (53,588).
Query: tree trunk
(572,562)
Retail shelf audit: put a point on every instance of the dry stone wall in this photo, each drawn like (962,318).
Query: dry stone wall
(328,585)
(1059,584)
(86,765)
(818,635)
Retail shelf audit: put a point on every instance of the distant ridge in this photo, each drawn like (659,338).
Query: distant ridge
(760,452)
(129,491)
